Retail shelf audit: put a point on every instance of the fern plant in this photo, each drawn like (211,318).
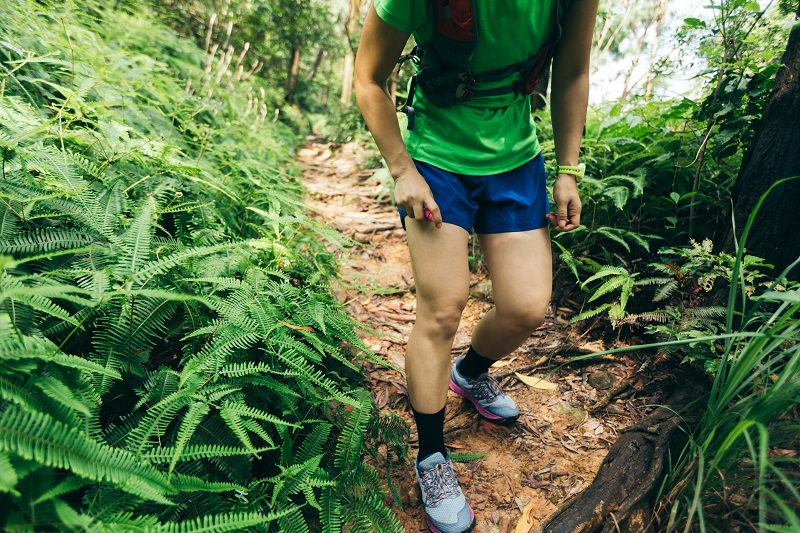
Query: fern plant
(171,357)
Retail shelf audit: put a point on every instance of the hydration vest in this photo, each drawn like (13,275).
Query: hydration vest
(444,73)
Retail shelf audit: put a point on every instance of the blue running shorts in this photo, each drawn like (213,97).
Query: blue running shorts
(511,201)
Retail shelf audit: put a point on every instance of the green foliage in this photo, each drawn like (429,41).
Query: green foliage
(461,457)
(171,358)
(609,279)
(272,32)
(733,466)
(345,124)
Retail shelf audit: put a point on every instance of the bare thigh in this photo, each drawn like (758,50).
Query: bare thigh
(520,266)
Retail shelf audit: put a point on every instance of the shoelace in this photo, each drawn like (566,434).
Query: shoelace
(487,389)
(439,483)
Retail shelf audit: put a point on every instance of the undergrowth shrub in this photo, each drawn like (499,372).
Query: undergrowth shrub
(171,358)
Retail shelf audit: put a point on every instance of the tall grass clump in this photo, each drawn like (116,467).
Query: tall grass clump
(741,468)
(171,358)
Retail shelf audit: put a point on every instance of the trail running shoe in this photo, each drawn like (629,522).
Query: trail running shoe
(486,395)
(446,508)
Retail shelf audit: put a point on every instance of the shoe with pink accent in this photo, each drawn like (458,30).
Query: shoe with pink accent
(446,508)
(486,395)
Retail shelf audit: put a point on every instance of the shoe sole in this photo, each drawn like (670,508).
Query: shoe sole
(434,529)
(481,409)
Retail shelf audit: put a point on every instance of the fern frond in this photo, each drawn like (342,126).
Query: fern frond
(331,511)
(707,312)
(348,447)
(461,457)
(70,484)
(8,476)
(155,421)
(659,315)
(613,234)
(222,523)
(135,243)
(38,437)
(251,412)
(665,291)
(313,443)
(293,522)
(606,271)
(193,452)
(62,394)
(184,483)
(591,313)
(370,507)
(194,415)
(46,240)
(610,285)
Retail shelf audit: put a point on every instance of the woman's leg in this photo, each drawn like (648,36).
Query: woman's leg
(520,266)
(441,276)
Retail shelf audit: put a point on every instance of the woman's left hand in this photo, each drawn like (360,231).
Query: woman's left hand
(568,202)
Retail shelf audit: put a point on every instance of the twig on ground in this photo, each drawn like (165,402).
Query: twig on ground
(505,373)
(615,391)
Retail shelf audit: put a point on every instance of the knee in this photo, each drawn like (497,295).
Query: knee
(524,318)
(441,319)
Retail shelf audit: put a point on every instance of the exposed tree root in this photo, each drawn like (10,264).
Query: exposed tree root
(620,499)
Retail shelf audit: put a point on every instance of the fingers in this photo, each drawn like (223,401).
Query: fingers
(562,217)
(574,211)
(568,217)
(424,208)
(435,212)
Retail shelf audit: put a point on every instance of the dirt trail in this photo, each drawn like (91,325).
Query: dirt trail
(554,449)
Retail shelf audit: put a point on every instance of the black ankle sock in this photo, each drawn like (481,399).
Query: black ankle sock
(474,364)
(430,430)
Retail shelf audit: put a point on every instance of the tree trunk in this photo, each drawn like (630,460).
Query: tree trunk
(621,496)
(347,78)
(774,155)
(654,45)
(627,87)
(350,56)
(291,78)
(317,62)
(539,96)
(605,40)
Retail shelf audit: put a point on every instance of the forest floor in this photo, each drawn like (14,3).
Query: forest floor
(559,442)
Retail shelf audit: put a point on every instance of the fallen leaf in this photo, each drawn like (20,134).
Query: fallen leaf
(565,408)
(500,364)
(292,326)
(525,523)
(536,383)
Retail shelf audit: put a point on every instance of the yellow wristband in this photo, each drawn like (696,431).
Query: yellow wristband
(577,171)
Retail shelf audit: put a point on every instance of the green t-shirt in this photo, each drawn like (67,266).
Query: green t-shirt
(488,135)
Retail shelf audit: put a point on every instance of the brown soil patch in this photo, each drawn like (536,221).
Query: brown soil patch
(556,447)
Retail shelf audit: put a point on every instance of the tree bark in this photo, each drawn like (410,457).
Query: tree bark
(317,62)
(605,41)
(621,496)
(774,155)
(350,56)
(347,79)
(291,78)
(627,87)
